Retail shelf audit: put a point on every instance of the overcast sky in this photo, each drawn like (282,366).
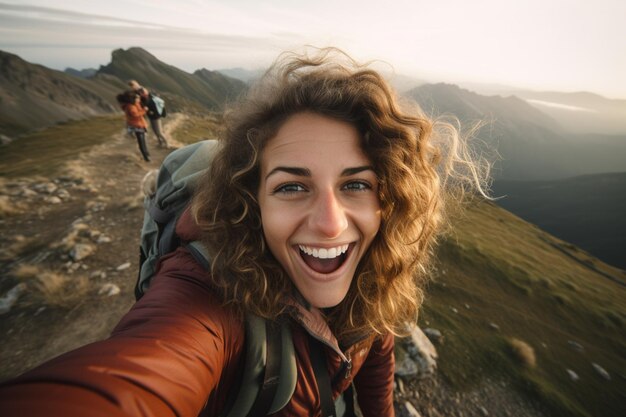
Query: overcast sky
(541,44)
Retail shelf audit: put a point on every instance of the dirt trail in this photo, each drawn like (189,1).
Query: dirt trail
(109,203)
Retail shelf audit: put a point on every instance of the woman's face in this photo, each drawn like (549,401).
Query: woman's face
(318,197)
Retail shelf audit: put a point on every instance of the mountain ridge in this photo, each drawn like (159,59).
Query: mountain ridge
(33,96)
(532,145)
(577,112)
(137,63)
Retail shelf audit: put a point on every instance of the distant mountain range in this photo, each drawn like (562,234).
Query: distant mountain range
(579,112)
(243,74)
(84,73)
(531,144)
(33,96)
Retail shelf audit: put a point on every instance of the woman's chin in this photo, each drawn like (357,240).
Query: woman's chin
(324,300)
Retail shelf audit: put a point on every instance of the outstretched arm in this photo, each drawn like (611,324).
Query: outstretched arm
(164,358)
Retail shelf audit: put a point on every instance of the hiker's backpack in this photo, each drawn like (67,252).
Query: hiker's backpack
(159,103)
(269,376)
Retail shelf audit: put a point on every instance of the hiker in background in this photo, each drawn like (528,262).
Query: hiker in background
(134,85)
(130,102)
(156,110)
(319,212)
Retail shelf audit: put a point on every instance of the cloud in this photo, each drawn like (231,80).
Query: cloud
(50,14)
(561,106)
(24,28)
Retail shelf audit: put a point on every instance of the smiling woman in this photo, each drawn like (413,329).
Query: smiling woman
(319,213)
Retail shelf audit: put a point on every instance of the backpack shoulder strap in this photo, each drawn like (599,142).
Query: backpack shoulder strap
(270,375)
(318,360)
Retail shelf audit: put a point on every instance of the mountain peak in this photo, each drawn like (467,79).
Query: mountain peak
(9,63)
(210,89)
(134,53)
(203,71)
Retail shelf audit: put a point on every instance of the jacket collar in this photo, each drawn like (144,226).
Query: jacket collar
(313,321)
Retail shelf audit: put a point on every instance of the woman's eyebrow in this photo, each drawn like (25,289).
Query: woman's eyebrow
(305,172)
(351,171)
(300,172)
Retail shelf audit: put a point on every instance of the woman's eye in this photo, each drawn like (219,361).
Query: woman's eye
(289,189)
(357,186)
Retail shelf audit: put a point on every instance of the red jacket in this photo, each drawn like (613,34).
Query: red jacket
(177,352)
(134,115)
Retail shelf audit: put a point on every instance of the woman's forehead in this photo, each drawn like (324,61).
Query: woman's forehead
(310,136)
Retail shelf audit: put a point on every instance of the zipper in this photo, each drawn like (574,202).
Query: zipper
(348,365)
(344,371)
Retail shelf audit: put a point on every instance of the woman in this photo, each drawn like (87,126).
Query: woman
(320,210)
(130,102)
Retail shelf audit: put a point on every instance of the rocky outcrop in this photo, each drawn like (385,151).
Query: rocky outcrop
(416,356)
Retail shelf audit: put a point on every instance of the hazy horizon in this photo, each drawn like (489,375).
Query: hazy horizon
(566,46)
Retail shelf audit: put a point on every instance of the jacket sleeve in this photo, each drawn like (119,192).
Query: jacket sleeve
(164,358)
(374,382)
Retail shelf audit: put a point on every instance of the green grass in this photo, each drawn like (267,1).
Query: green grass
(196,128)
(45,152)
(506,272)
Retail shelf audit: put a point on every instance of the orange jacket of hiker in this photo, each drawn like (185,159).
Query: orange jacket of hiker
(135,114)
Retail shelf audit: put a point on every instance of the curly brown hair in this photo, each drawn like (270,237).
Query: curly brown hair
(412,156)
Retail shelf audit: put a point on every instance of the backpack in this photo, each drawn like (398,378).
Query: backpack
(269,374)
(159,103)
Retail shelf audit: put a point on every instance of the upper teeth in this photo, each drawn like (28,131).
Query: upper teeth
(324,253)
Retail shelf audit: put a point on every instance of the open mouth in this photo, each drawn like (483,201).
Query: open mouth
(324,260)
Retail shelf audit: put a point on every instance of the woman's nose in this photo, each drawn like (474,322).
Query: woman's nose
(328,215)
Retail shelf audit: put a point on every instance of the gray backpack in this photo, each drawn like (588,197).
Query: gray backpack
(269,376)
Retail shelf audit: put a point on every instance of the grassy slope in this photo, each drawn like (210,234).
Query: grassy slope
(508,272)
(197,127)
(43,152)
